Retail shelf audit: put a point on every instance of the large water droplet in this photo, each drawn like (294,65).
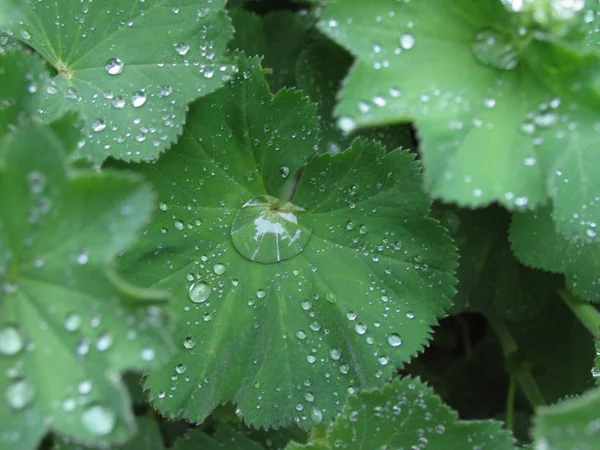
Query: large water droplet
(316,416)
(138,99)
(98,420)
(11,341)
(20,393)
(407,41)
(114,66)
(268,230)
(199,292)
(495,49)
(394,340)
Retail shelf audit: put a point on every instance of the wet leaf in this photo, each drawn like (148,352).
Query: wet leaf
(68,325)
(129,68)
(407,414)
(285,305)
(503,135)
(569,424)
(536,243)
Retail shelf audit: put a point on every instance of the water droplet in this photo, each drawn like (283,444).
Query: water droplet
(98,420)
(199,292)
(148,354)
(104,342)
(284,172)
(335,354)
(331,298)
(114,66)
(346,124)
(261,293)
(394,340)
(360,328)
(20,393)
(407,41)
(180,368)
(495,49)
(166,90)
(98,125)
(300,334)
(269,230)
(189,342)
(219,269)
(138,99)
(72,322)
(11,341)
(118,102)
(182,48)
(316,415)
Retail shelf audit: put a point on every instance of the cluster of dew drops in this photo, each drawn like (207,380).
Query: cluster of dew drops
(492,48)
(21,392)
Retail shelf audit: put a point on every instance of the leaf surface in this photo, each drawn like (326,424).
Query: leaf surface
(129,68)
(503,135)
(265,318)
(407,414)
(223,439)
(68,325)
(569,424)
(536,243)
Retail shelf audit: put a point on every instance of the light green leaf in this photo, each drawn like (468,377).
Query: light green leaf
(224,439)
(320,70)
(335,290)
(571,424)
(129,68)
(536,243)
(15,89)
(148,437)
(408,414)
(498,112)
(68,325)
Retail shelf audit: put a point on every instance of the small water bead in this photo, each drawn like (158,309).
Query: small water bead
(98,125)
(379,100)
(11,341)
(331,298)
(189,342)
(360,328)
(364,106)
(407,41)
(20,393)
(394,340)
(529,161)
(311,359)
(182,48)
(306,305)
(316,415)
(284,172)
(335,354)
(72,322)
(166,90)
(219,269)
(545,120)
(118,102)
(350,225)
(114,66)
(138,99)
(383,360)
(147,354)
(495,49)
(180,369)
(84,387)
(351,315)
(346,124)
(199,292)
(104,342)
(300,334)
(98,420)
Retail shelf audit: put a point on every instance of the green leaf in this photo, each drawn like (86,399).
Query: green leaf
(286,330)
(320,70)
(8,11)
(225,439)
(128,68)
(502,135)
(68,325)
(596,368)
(148,437)
(536,243)
(569,424)
(408,414)
(279,36)
(21,74)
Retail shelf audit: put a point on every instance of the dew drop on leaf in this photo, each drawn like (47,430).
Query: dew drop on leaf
(219,269)
(11,341)
(20,393)
(495,49)
(104,342)
(394,340)
(268,230)
(316,415)
(98,420)
(199,292)
(98,125)
(407,41)
(189,342)
(72,322)
(138,99)
(114,66)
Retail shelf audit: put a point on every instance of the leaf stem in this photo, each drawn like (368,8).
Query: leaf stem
(509,348)
(510,403)
(587,313)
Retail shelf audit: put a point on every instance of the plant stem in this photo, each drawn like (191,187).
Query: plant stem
(509,348)
(587,314)
(510,403)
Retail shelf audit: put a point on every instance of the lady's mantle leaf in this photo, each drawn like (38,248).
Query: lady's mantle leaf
(284,308)
(68,325)
(570,424)
(536,243)
(128,67)
(407,414)
(500,114)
